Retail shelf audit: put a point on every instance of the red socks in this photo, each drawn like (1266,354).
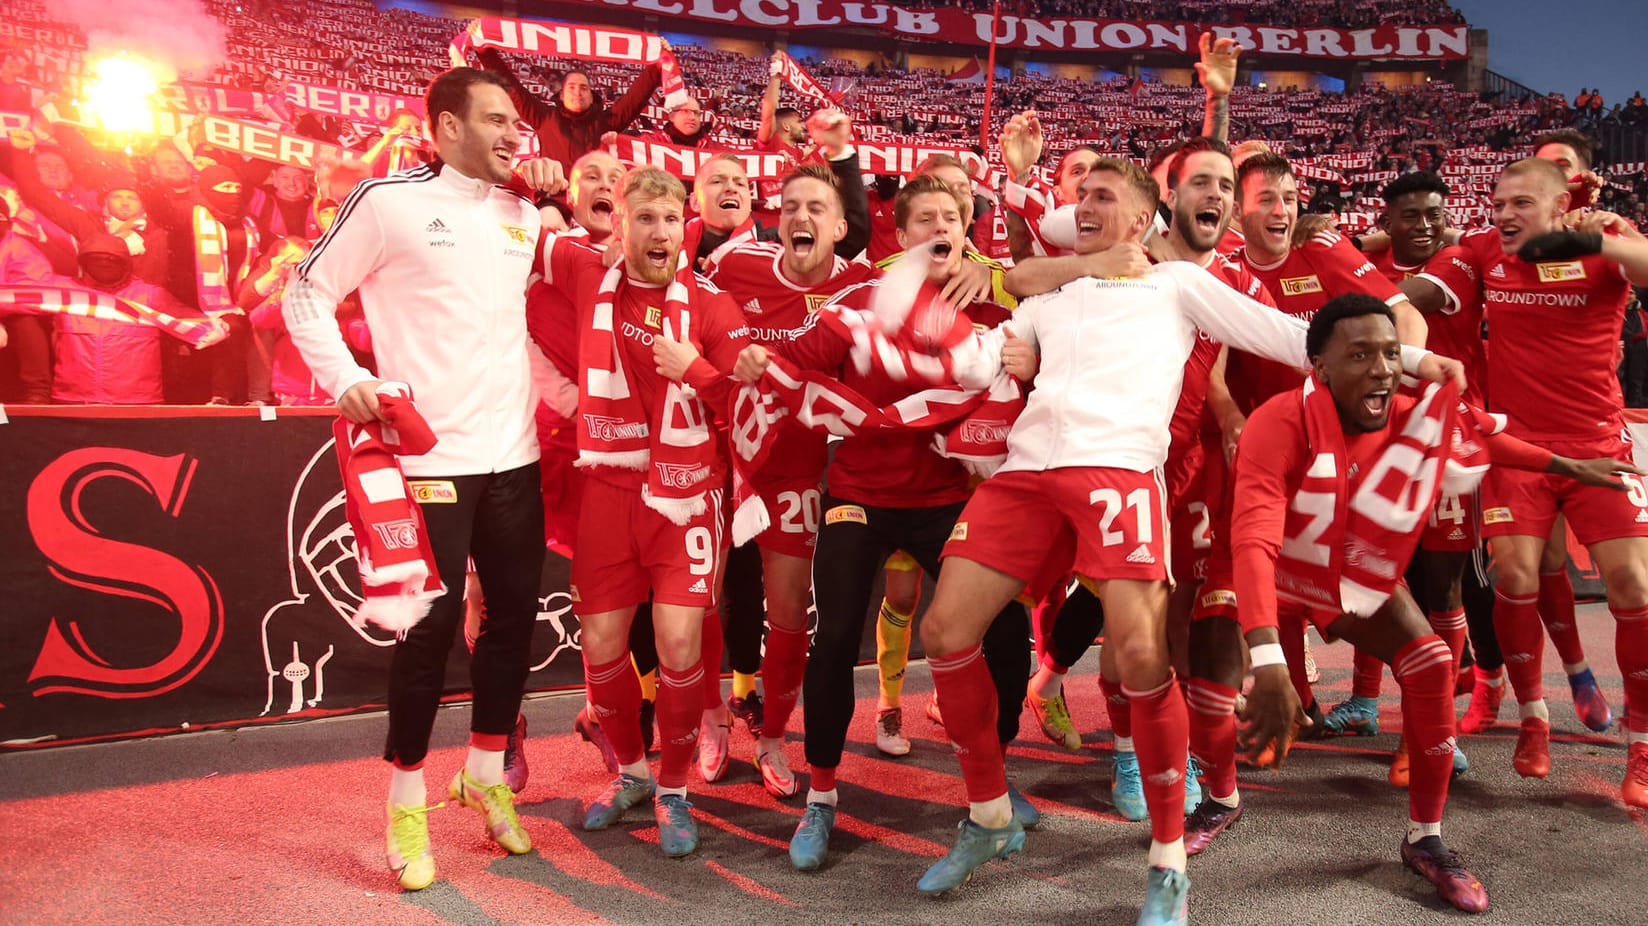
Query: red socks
(1367,675)
(782,668)
(1161,735)
(1631,646)
(1115,701)
(967,699)
(1556,609)
(1516,623)
(1291,628)
(710,649)
(1213,733)
(1424,670)
(615,693)
(680,707)
(1451,627)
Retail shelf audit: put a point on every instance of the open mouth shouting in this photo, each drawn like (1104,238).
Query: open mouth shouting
(1375,405)
(730,203)
(1207,221)
(601,206)
(802,242)
(659,258)
(941,250)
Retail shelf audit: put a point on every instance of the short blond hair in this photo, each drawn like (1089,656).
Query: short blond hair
(1545,171)
(652,183)
(1137,177)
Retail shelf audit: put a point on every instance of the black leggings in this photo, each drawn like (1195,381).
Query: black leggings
(1077,625)
(846,563)
(1479,603)
(743,608)
(497,519)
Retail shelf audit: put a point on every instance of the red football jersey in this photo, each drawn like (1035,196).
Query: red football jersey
(1187,423)
(721,334)
(775,308)
(892,469)
(1455,331)
(1555,331)
(1327,265)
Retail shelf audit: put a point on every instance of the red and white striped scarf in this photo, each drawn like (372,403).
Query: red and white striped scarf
(796,76)
(1352,534)
(969,426)
(693,236)
(399,577)
(215,281)
(88,303)
(1031,201)
(672,441)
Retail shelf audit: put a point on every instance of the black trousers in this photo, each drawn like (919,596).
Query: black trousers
(846,562)
(1478,595)
(1077,625)
(743,608)
(498,519)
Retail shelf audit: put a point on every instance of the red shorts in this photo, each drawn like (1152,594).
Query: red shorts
(792,507)
(1520,503)
(626,548)
(1195,485)
(1455,525)
(1104,523)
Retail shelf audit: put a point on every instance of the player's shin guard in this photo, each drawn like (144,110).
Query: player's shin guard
(1213,733)
(1451,627)
(1631,647)
(1556,609)
(967,699)
(1116,702)
(1161,734)
(1424,670)
(711,650)
(680,707)
(1367,675)
(784,666)
(1516,624)
(615,693)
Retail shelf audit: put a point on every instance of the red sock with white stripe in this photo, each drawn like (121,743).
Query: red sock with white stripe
(1516,624)
(1116,702)
(614,691)
(967,700)
(710,650)
(782,668)
(1212,718)
(1451,627)
(680,706)
(1556,610)
(1367,675)
(1424,670)
(1161,735)
(1631,646)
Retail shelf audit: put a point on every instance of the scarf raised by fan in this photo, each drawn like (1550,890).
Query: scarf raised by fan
(796,76)
(68,300)
(570,40)
(670,441)
(399,577)
(214,281)
(1349,536)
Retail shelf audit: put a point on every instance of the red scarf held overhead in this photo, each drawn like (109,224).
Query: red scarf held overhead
(71,300)
(570,40)
(670,441)
(399,578)
(1350,535)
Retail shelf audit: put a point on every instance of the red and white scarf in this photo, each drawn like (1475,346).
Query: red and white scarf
(571,40)
(399,578)
(1351,535)
(1031,201)
(215,282)
(796,76)
(67,300)
(672,441)
(693,236)
(969,426)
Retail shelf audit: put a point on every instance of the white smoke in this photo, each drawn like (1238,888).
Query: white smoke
(179,36)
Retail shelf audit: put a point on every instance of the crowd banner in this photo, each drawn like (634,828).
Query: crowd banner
(959,27)
(354,105)
(171,568)
(268,144)
(573,40)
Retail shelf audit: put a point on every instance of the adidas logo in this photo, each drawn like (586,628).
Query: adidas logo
(1642,516)
(1519,658)
(1456,534)
(1444,748)
(1141,555)
(1497,271)
(1640,673)
(437,227)
(699,588)
(753,307)
(1169,777)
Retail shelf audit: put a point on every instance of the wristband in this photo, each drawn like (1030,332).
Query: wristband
(1267,654)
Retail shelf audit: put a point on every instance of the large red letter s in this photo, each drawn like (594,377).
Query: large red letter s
(81,555)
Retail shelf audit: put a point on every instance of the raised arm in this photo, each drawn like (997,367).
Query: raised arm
(532,110)
(1217,69)
(769,102)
